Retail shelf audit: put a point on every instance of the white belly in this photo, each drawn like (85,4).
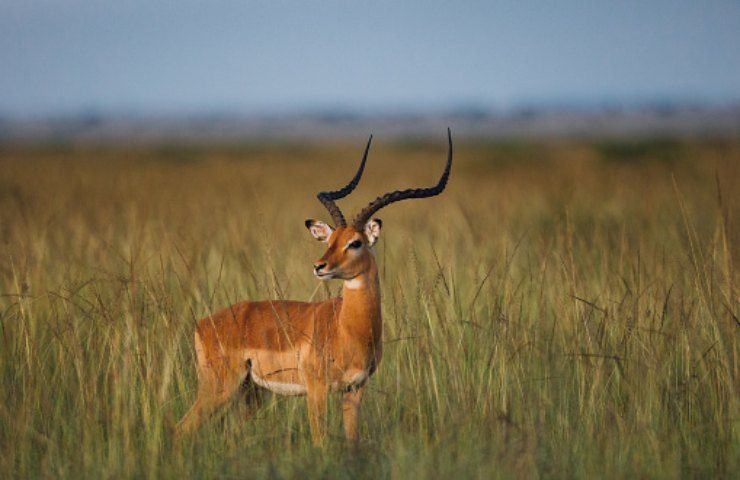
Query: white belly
(281,388)
(358,378)
(350,381)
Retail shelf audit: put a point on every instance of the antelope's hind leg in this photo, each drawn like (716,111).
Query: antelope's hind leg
(218,381)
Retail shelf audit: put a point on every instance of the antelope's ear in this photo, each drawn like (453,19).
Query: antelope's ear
(320,230)
(372,230)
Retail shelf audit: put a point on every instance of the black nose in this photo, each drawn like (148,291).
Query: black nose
(318,266)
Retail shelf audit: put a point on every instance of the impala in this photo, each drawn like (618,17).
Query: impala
(307,348)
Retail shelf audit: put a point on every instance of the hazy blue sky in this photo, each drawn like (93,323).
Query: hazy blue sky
(189,56)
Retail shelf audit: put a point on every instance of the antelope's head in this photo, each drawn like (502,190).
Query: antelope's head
(349,251)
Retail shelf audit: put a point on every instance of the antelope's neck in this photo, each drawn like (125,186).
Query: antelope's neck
(361,304)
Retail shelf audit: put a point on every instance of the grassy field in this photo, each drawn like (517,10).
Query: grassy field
(565,309)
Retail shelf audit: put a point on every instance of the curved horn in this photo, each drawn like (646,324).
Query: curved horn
(388,198)
(327,198)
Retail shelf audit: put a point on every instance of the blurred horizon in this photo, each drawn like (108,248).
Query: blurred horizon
(227,58)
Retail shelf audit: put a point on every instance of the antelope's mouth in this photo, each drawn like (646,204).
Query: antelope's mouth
(324,275)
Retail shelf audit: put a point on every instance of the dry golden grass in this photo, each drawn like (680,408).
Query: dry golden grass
(564,309)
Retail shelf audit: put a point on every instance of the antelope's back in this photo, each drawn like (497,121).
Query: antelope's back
(276,325)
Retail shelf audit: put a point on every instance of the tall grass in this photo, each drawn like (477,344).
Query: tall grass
(560,311)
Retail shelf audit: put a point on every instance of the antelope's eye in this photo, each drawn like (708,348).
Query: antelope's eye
(356,244)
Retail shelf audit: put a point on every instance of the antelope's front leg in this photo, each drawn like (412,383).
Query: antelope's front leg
(316,391)
(351,414)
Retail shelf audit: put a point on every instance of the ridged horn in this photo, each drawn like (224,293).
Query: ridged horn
(398,195)
(328,198)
